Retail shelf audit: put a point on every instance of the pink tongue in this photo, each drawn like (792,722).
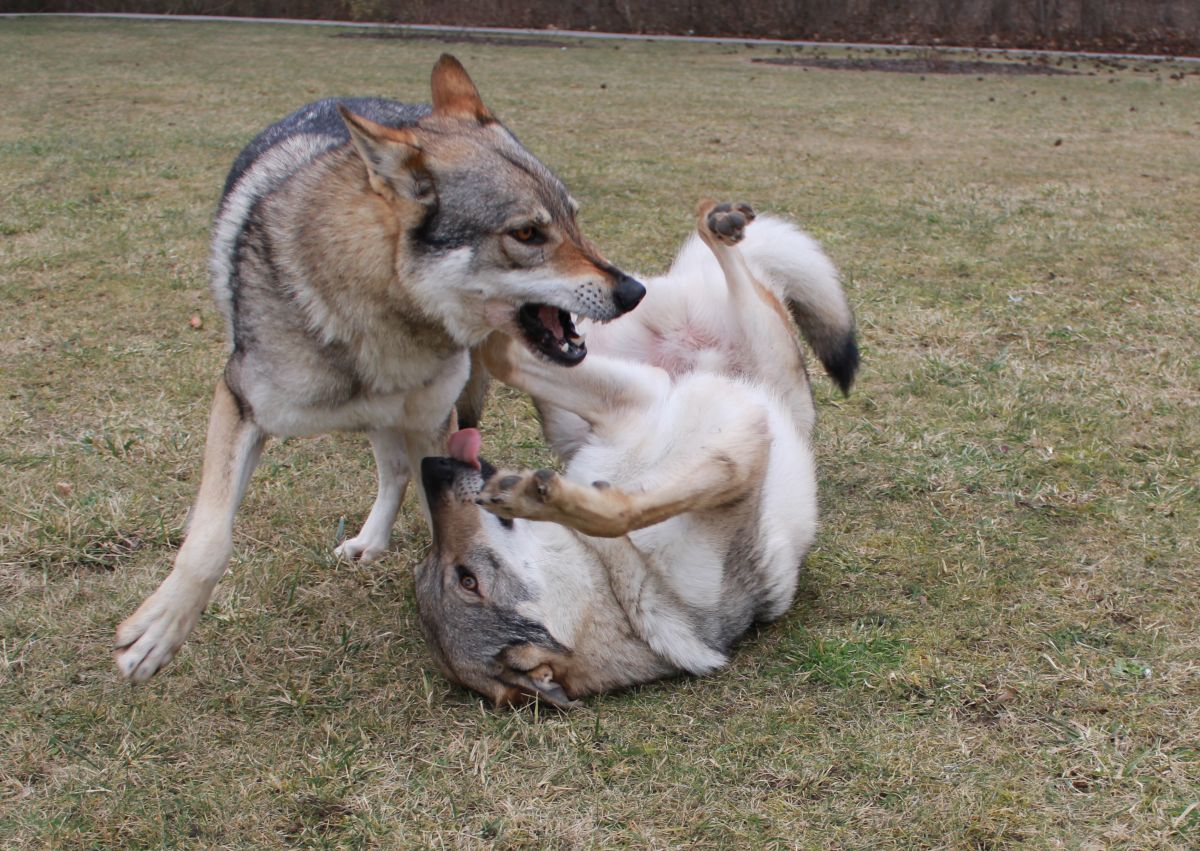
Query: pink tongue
(464,446)
(549,317)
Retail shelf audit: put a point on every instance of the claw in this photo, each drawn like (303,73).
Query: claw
(542,480)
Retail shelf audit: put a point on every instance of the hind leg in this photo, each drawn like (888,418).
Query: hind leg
(391,462)
(150,637)
(764,327)
(760,317)
(471,401)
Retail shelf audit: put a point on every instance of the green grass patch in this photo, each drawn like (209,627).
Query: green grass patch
(841,663)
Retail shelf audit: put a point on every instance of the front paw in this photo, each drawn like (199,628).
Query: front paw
(526,494)
(149,638)
(361,549)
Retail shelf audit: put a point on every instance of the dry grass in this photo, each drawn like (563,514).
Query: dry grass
(996,643)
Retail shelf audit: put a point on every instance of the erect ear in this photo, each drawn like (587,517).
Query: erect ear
(454,95)
(540,683)
(394,161)
(530,668)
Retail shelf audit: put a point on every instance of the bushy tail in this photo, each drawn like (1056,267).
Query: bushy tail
(789,261)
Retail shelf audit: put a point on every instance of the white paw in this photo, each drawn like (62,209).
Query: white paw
(361,549)
(524,494)
(149,638)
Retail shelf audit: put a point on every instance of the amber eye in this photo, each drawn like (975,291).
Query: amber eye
(529,234)
(467,581)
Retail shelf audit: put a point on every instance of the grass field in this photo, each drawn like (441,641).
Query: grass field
(997,641)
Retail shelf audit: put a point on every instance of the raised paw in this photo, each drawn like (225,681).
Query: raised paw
(525,494)
(725,222)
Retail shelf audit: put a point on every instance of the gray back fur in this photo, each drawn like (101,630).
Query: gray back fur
(321,119)
(274,156)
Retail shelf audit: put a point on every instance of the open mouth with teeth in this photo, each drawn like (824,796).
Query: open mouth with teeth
(549,331)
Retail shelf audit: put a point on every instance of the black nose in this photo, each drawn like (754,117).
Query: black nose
(628,294)
(437,474)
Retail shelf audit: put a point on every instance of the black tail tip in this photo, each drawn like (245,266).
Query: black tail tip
(842,363)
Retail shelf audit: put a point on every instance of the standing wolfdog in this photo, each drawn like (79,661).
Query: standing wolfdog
(689,498)
(361,248)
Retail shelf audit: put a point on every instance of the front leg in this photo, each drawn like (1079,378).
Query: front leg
(150,637)
(718,474)
(599,509)
(595,389)
(393,469)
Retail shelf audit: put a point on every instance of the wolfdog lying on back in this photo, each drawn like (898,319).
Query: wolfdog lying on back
(689,499)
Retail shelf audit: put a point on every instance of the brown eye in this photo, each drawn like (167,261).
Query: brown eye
(467,581)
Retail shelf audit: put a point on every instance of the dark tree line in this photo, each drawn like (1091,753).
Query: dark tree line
(1167,26)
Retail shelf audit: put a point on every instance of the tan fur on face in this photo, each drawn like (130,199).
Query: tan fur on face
(457,524)
(541,662)
(574,259)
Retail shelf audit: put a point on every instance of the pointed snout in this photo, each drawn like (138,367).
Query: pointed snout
(440,474)
(450,488)
(628,293)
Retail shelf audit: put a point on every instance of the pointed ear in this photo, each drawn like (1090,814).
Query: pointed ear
(392,156)
(540,683)
(454,95)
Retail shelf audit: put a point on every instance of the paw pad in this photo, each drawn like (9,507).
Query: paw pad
(728,221)
(508,482)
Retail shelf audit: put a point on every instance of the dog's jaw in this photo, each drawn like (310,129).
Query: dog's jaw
(470,305)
